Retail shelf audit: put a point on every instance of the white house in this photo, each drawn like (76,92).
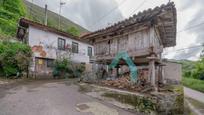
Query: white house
(48,44)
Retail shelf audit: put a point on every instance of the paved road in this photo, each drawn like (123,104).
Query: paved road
(51,98)
(194,94)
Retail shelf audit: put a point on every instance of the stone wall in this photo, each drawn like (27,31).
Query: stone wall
(169,102)
(172,72)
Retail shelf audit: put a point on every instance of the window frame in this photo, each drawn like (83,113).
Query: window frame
(90,52)
(77,48)
(50,65)
(60,41)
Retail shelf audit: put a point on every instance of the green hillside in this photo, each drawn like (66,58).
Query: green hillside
(36,13)
(10,12)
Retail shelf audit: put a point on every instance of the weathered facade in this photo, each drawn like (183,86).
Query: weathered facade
(172,72)
(49,44)
(142,36)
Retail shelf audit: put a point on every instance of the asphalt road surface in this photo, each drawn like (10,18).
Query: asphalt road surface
(194,94)
(51,97)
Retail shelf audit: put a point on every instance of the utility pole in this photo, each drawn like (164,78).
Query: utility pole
(31,8)
(46,14)
(60,7)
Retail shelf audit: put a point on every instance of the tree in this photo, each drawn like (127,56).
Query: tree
(73,30)
(202,52)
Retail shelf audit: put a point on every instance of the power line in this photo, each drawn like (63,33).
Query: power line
(188,28)
(109,12)
(182,49)
(117,7)
(138,7)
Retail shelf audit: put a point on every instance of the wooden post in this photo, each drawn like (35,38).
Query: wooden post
(117,71)
(27,75)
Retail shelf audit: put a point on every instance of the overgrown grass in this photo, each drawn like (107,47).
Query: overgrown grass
(193,83)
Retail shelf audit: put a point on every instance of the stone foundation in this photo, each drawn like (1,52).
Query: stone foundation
(157,103)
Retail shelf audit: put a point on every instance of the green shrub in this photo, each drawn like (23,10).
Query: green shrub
(77,70)
(193,69)
(61,67)
(14,58)
(73,30)
(64,68)
(193,83)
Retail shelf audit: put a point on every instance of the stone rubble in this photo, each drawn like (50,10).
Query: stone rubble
(125,83)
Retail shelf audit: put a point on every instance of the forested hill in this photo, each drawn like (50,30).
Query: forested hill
(36,13)
(10,12)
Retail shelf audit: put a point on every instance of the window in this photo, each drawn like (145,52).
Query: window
(61,44)
(75,47)
(50,62)
(90,51)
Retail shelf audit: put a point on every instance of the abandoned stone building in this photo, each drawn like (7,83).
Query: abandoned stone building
(143,37)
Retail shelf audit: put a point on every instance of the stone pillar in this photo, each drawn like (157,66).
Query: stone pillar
(152,62)
(161,77)
(152,73)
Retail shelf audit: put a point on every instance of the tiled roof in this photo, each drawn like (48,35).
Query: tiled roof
(145,16)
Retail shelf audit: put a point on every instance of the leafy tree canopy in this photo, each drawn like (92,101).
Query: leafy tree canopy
(193,69)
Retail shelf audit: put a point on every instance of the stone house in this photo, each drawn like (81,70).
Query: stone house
(49,44)
(143,36)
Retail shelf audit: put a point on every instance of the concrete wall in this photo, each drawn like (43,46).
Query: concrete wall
(45,45)
(172,72)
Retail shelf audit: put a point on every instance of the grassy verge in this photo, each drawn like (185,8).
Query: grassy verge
(193,83)
(199,106)
(195,103)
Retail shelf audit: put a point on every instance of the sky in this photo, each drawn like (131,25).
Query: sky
(97,14)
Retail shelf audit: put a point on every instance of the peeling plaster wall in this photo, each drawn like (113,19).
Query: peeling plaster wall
(45,44)
(172,72)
